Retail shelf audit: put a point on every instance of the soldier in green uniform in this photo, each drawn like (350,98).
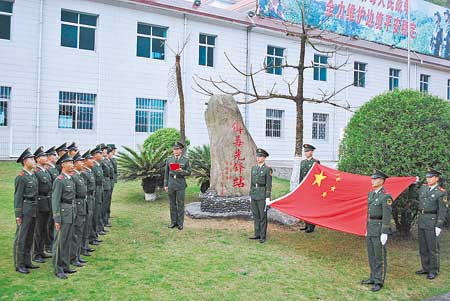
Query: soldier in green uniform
(50,165)
(433,207)
(107,207)
(72,149)
(98,173)
(113,161)
(89,179)
(60,150)
(305,166)
(378,227)
(25,207)
(175,184)
(79,212)
(63,202)
(107,171)
(45,184)
(260,192)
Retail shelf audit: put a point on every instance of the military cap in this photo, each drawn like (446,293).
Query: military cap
(261,153)
(178,145)
(77,157)
(64,158)
(51,151)
(25,155)
(87,155)
(109,149)
(97,149)
(62,147)
(102,146)
(72,146)
(447,12)
(377,174)
(432,173)
(308,147)
(112,146)
(40,152)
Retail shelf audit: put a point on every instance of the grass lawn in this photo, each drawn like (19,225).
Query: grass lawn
(141,259)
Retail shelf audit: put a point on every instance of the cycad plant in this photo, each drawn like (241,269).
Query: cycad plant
(200,159)
(146,165)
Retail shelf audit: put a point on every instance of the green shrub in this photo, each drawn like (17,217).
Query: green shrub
(401,133)
(200,159)
(165,137)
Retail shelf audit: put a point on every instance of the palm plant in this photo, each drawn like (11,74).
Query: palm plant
(200,159)
(146,165)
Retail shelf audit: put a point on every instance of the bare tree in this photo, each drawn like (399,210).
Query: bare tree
(295,89)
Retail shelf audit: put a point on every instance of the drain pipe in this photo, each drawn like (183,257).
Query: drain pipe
(39,70)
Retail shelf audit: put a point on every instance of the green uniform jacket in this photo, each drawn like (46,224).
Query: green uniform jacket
(305,166)
(106,167)
(114,164)
(261,182)
(379,213)
(26,188)
(80,193)
(89,179)
(433,207)
(54,173)
(98,173)
(45,184)
(173,179)
(63,199)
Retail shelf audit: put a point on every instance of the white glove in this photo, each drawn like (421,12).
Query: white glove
(417,180)
(438,231)
(267,201)
(383,238)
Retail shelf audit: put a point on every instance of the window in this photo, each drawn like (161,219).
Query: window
(394,78)
(149,114)
(424,80)
(274,60)
(151,41)
(6,9)
(320,126)
(76,110)
(359,74)
(320,67)
(78,30)
(5,96)
(206,50)
(448,89)
(274,120)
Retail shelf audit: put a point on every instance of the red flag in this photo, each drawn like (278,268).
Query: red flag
(334,199)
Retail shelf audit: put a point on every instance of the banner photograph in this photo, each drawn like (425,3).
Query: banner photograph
(381,21)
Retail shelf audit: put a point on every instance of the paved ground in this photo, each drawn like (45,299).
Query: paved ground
(445,297)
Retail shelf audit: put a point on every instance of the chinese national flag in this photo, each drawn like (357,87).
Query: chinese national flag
(335,199)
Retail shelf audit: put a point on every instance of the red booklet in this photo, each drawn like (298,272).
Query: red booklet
(174,166)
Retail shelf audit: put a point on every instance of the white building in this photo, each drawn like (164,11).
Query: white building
(96,71)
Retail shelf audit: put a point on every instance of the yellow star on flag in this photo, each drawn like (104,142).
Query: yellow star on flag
(324,194)
(333,188)
(319,178)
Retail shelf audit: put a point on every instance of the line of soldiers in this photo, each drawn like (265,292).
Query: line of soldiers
(62,203)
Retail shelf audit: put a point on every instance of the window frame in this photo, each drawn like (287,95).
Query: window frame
(75,107)
(393,78)
(357,73)
(151,37)
(149,110)
(269,133)
(274,56)
(6,100)
(448,89)
(423,83)
(318,122)
(319,66)
(79,25)
(207,46)
(10,15)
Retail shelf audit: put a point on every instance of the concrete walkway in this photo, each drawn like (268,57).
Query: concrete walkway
(445,297)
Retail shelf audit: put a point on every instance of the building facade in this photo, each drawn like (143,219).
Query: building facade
(96,71)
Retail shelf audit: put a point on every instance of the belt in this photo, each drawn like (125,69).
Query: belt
(90,193)
(259,185)
(427,212)
(78,202)
(43,196)
(29,201)
(377,218)
(66,202)
(175,176)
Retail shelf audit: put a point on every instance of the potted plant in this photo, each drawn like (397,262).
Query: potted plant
(146,165)
(200,159)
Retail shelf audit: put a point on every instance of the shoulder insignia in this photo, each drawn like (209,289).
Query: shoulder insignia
(389,201)
(21,173)
(60,177)
(442,189)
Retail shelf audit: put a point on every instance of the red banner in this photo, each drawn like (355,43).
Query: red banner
(334,199)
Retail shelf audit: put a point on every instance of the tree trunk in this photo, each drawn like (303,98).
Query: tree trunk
(181,96)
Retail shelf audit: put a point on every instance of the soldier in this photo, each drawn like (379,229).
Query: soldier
(378,227)
(107,172)
(25,208)
(436,38)
(45,184)
(260,191)
(50,165)
(433,206)
(445,47)
(98,173)
(305,166)
(79,212)
(113,161)
(72,149)
(63,202)
(176,169)
(61,150)
(89,179)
